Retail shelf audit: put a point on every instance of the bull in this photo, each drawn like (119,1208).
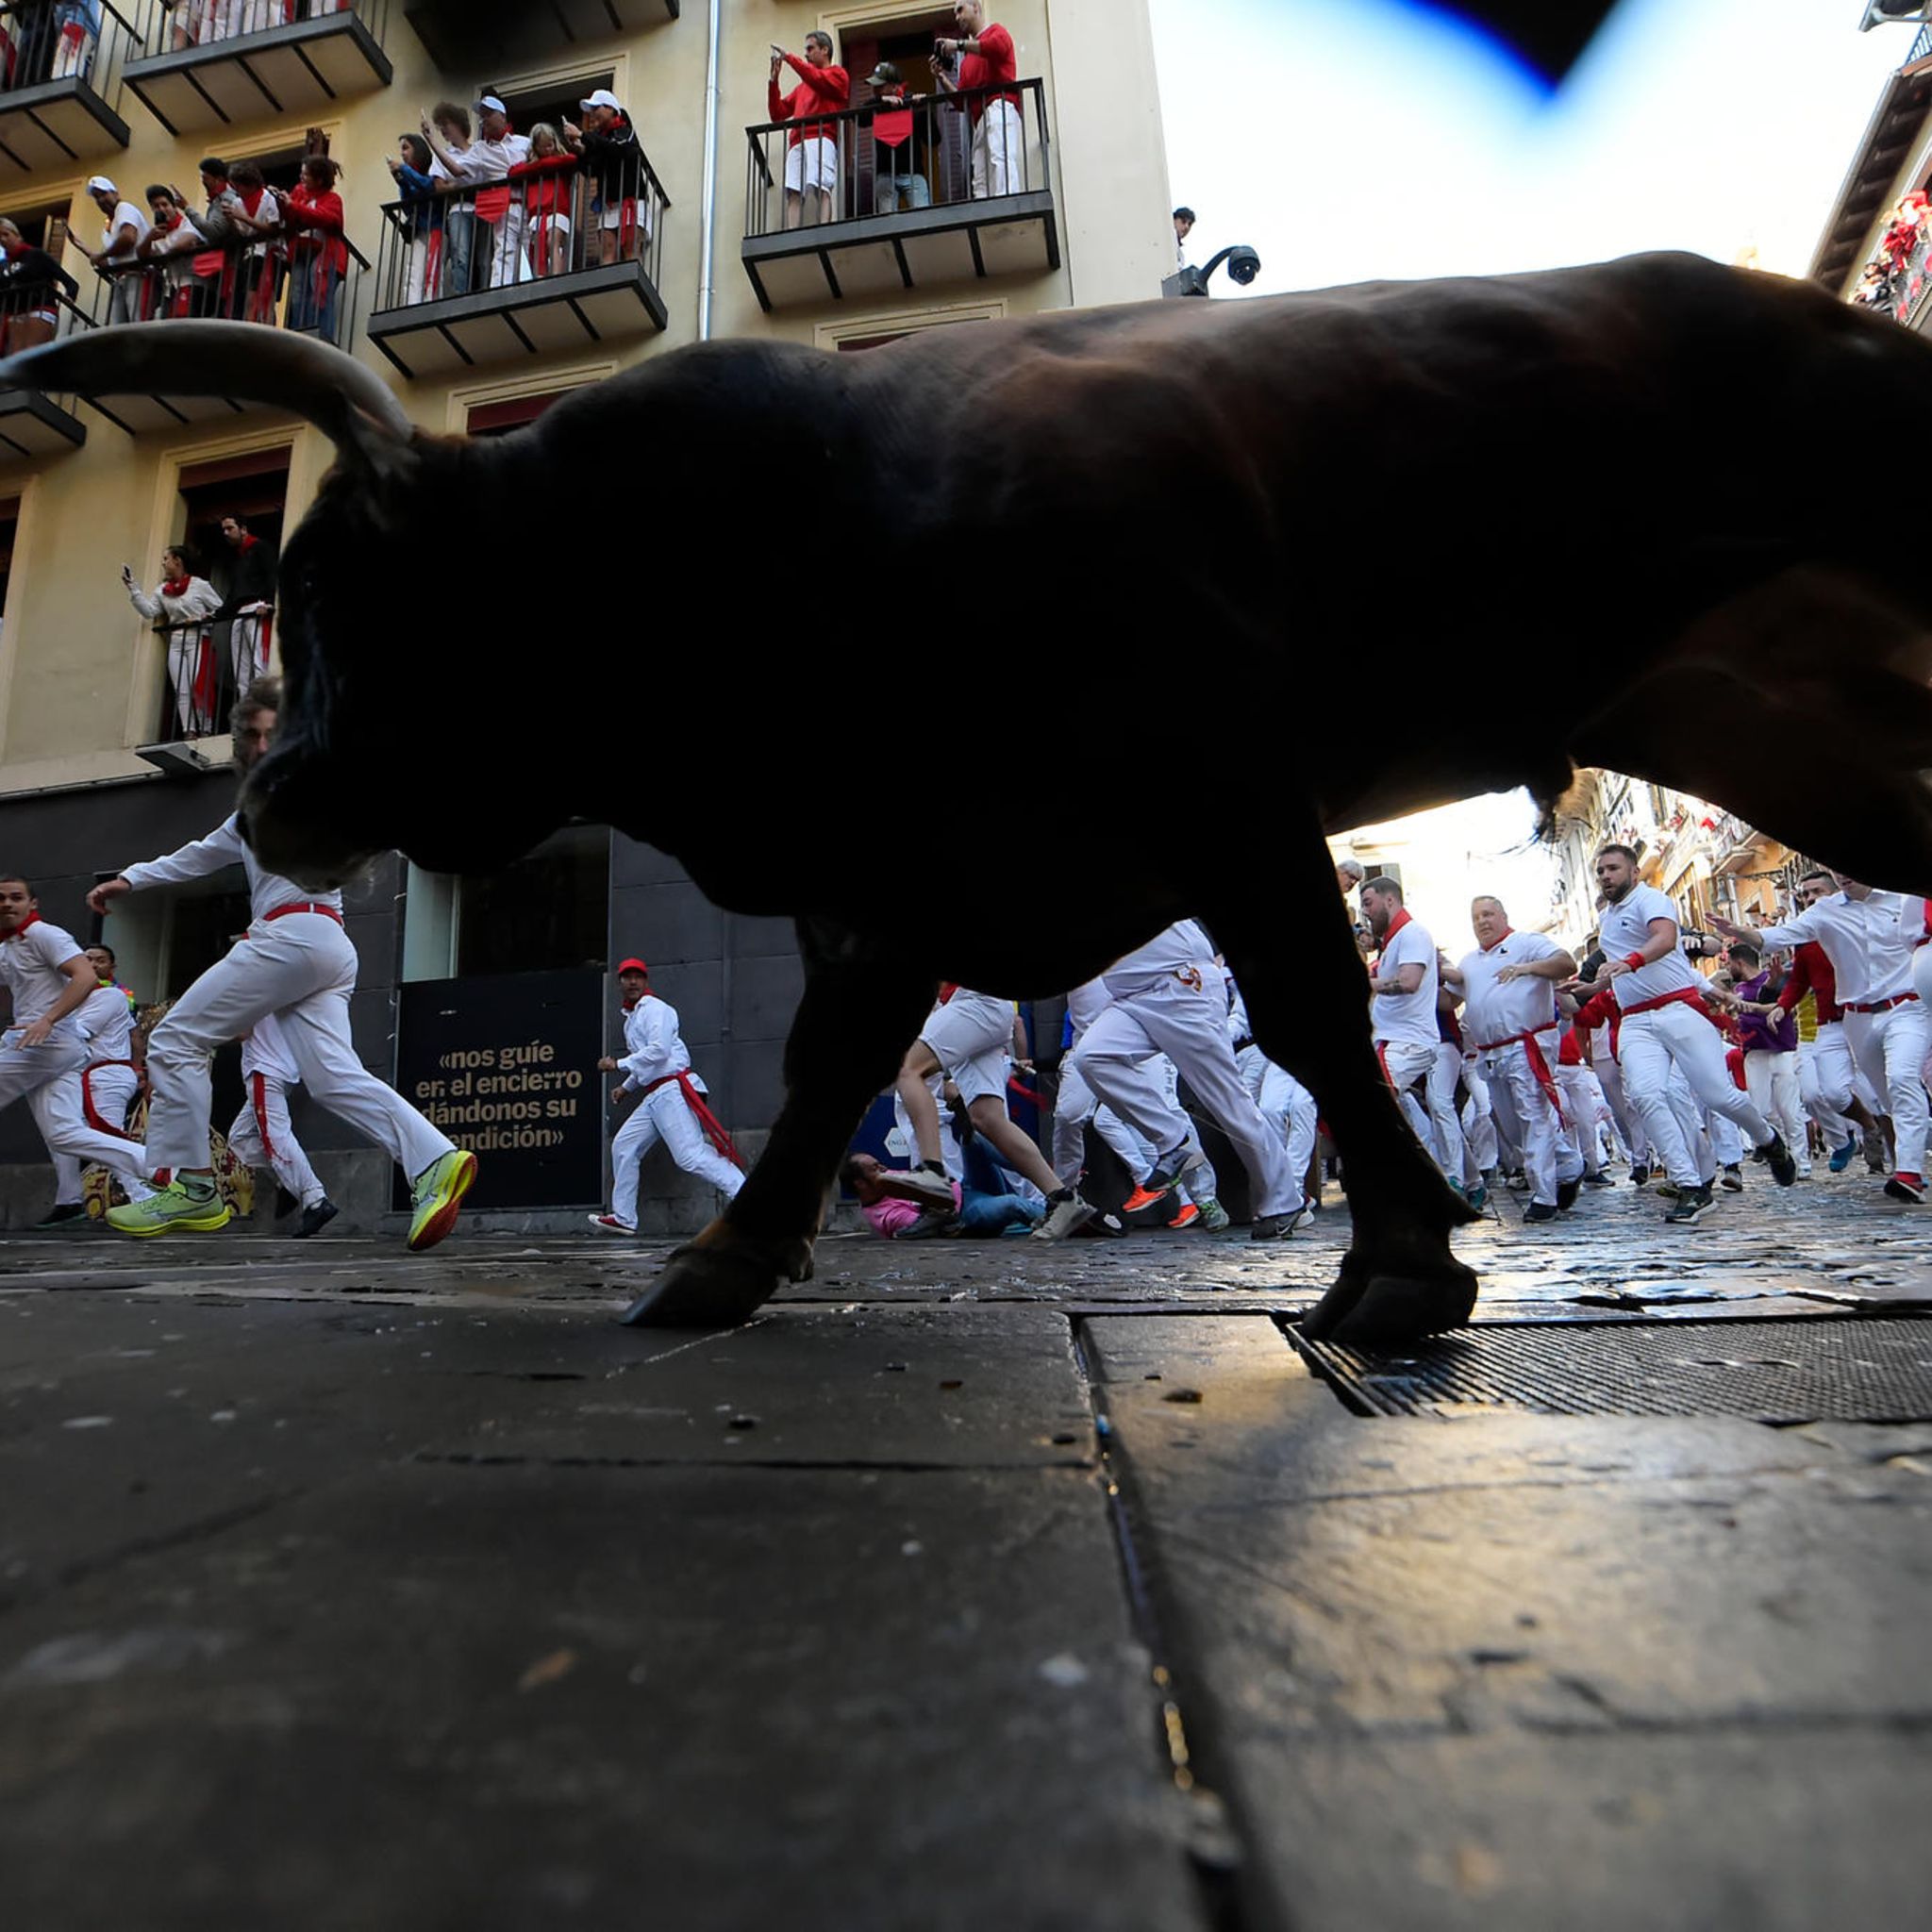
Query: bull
(1443,537)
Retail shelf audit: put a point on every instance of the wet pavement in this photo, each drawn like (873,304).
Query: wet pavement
(971,1584)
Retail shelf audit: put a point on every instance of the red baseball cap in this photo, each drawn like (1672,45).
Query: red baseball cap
(634,966)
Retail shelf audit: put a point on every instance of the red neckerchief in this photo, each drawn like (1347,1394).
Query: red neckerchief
(247,543)
(176,586)
(630,1006)
(1508,930)
(32,919)
(1395,926)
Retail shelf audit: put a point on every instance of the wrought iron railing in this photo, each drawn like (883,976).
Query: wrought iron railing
(60,40)
(190,23)
(290,280)
(202,677)
(547,220)
(937,150)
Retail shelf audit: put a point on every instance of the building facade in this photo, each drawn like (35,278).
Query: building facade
(477,314)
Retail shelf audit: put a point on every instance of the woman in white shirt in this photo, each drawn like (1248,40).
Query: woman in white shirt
(182,603)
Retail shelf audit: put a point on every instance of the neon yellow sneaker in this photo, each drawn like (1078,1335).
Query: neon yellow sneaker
(171,1210)
(438,1194)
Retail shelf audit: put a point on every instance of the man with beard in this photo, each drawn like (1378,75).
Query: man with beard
(1656,989)
(1405,979)
(297,963)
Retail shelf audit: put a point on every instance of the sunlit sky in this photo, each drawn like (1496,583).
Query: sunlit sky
(1367,139)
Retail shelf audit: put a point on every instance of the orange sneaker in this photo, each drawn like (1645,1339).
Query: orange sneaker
(1189,1216)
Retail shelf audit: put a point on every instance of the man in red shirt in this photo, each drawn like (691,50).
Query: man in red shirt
(987,59)
(811,154)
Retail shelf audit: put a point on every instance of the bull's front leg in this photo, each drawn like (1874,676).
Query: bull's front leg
(1291,950)
(859,1011)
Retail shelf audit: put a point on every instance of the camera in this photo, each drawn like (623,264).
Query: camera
(1243,266)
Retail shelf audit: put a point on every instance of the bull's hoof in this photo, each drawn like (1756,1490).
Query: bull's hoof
(1382,1312)
(715,1284)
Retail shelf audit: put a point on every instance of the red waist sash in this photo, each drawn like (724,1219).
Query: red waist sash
(714,1128)
(1538,1065)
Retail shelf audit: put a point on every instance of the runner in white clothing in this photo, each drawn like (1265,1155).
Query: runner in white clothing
(1404,980)
(1508,986)
(107,1084)
(296,962)
(656,1063)
(262,1133)
(1285,1103)
(1871,940)
(42,1049)
(1170,996)
(1657,988)
(968,1036)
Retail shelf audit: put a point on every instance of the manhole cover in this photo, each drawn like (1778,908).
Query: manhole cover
(1790,1371)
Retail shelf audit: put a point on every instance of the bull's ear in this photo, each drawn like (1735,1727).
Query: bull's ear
(247,361)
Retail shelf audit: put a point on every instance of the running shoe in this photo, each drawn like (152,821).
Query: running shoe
(1907,1187)
(62,1214)
(1541,1211)
(1214,1217)
(1690,1204)
(1640,1175)
(173,1209)
(1066,1213)
(1154,1188)
(1279,1228)
(1189,1216)
(1567,1193)
(314,1218)
(930,1183)
(1780,1159)
(1842,1156)
(1732,1179)
(438,1194)
(611,1225)
(1478,1197)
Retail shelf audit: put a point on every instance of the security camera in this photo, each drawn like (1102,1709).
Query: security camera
(1244,264)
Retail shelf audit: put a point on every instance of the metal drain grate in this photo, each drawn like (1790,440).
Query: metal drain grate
(1874,1369)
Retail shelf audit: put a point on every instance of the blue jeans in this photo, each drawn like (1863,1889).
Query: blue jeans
(996,1213)
(889,185)
(308,311)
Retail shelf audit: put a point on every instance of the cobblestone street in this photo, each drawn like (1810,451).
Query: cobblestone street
(971,1584)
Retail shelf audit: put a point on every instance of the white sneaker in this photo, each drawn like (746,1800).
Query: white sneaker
(1066,1214)
(933,1190)
(611,1225)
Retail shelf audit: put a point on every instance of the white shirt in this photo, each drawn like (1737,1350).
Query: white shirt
(226,846)
(1180,945)
(1408,1018)
(653,1049)
(125,216)
(106,1021)
(492,161)
(1625,929)
(1868,941)
(265,1051)
(30,963)
(1085,1004)
(1492,1013)
(200,599)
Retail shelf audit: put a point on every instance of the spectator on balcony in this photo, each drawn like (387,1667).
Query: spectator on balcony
(118,257)
(77,33)
(184,604)
(31,284)
(169,247)
(546,184)
(986,59)
(1183,227)
(497,150)
(899,145)
(447,128)
(421,219)
(1875,290)
(811,156)
(261,283)
(220,219)
(608,144)
(249,607)
(318,254)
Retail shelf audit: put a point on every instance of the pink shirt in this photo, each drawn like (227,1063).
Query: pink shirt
(890,1217)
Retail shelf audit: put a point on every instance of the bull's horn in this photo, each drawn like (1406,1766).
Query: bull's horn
(244,360)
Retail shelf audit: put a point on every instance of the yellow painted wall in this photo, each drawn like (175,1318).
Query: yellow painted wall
(80,674)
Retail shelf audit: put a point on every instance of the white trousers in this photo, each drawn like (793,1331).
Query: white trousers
(302,969)
(1889,1048)
(1285,1104)
(1186,1019)
(999,152)
(47,1079)
(1585,1113)
(1609,1078)
(1825,1076)
(1548,1159)
(1430,1112)
(248,648)
(111,1089)
(1445,1123)
(1771,1080)
(1674,1037)
(506,263)
(1075,1105)
(262,1136)
(664,1115)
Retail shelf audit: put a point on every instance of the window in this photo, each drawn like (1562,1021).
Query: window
(252,486)
(548,911)
(43,226)
(555,103)
(499,419)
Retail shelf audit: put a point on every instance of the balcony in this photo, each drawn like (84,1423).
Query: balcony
(899,218)
(200,691)
(33,424)
(454,30)
(211,63)
(525,268)
(60,88)
(254,281)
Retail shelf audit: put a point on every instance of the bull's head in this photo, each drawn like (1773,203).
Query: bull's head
(383,706)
